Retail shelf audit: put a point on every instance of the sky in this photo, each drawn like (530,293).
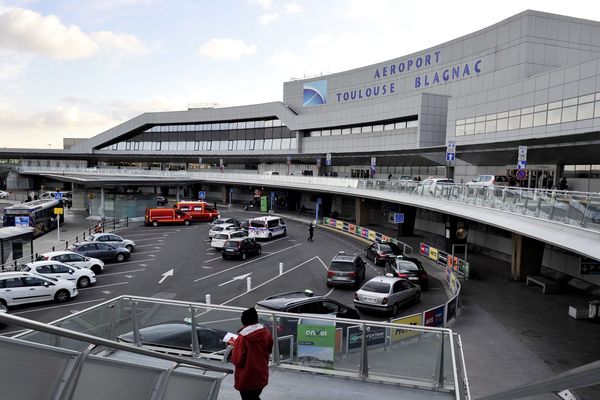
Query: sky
(75,68)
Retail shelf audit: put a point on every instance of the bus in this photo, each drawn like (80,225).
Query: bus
(37,214)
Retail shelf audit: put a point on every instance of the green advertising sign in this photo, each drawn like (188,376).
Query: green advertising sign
(264,205)
(316,345)
(316,335)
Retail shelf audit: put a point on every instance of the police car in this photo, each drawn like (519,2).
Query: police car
(266,227)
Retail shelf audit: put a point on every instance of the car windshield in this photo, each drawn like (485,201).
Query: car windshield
(231,243)
(222,236)
(217,228)
(341,266)
(389,248)
(406,265)
(376,287)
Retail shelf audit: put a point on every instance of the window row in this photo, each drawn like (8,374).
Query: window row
(217,126)
(365,128)
(577,108)
(214,145)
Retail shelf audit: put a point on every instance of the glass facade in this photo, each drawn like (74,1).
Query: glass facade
(380,126)
(574,109)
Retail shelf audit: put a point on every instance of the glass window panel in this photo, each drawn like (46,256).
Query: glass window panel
(569,102)
(570,168)
(514,113)
(377,128)
(214,127)
(460,122)
(598,96)
(540,107)
(241,144)
(460,130)
(259,124)
(586,99)
(503,115)
(315,133)
(366,129)
(250,144)
(268,144)
(293,144)
(539,118)
(356,129)
(196,146)
(399,125)
(208,145)
(526,121)
(241,125)
(285,143)
(230,145)
(189,146)
(276,122)
(326,132)
(582,168)
(268,123)
(259,144)
(514,122)
(469,129)
(250,124)
(388,127)
(479,127)
(585,111)
(223,145)
(480,119)
(232,126)
(157,145)
(490,117)
(527,110)
(336,132)
(597,109)
(556,104)
(554,116)
(490,126)
(180,146)
(276,144)
(136,146)
(569,114)
(502,125)
(121,145)
(412,124)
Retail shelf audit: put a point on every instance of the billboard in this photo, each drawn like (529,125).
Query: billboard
(434,317)
(399,334)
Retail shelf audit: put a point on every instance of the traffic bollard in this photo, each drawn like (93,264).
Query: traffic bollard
(280,268)
(207,299)
(248,284)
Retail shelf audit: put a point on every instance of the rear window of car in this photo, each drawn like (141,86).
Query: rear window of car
(501,178)
(406,265)
(376,287)
(222,236)
(341,266)
(231,243)
(217,228)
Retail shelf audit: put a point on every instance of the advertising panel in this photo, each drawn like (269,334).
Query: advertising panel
(434,317)
(339,224)
(326,220)
(352,228)
(375,336)
(345,227)
(364,232)
(399,334)
(433,253)
(264,207)
(372,235)
(451,309)
(453,283)
(316,344)
(385,238)
(22,221)
(442,258)
(332,222)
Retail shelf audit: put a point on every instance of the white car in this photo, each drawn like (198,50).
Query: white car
(112,239)
(83,277)
(218,241)
(386,294)
(267,227)
(489,180)
(222,228)
(75,259)
(26,287)
(431,184)
(3,194)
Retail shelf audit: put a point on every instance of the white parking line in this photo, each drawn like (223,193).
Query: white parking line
(264,244)
(120,273)
(148,245)
(131,262)
(101,286)
(245,263)
(145,240)
(147,252)
(68,304)
(162,233)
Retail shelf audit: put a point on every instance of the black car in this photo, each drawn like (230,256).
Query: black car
(240,247)
(161,201)
(177,336)
(102,251)
(408,268)
(380,253)
(345,270)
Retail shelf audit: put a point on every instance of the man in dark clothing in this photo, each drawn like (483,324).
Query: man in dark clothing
(311,231)
(250,355)
(562,185)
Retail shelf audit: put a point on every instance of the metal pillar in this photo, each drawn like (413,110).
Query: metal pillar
(101,207)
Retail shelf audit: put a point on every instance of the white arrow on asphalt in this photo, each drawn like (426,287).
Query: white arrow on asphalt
(164,276)
(236,278)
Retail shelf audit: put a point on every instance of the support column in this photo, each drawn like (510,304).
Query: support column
(224,194)
(101,206)
(177,193)
(526,257)
(78,196)
(362,212)
(410,215)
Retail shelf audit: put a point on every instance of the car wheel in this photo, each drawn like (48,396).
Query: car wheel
(3,302)
(243,255)
(96,269)
(61,296)
(129,247)
(120,257)
(224,256)
(259,250)
(284,232)
(417,297)
(270,236)
(394,309)
(155,223)
(83,282)
(186,222)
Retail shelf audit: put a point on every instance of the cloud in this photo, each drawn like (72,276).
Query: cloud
(264,4)
(267,19)
(226,49)
(29,31)
(291,8)
(275,11)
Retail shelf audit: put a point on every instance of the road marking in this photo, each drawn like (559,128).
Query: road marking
(150,234)
(213,259)
(148,252)
(165,275)
(61,306)
(205,267)
(148,245)
(122,272)
(236,278)
(137,261)
(245,263)
(101,286)
(152,255)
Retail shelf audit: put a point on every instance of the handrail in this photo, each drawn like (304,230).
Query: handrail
(53,330)
(584,375)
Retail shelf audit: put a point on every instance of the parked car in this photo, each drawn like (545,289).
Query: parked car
(380,253)
(385,294)
(241,247)
(26,287)
(245,225)
(75,259)
(103,251)
(216,229)
(406,178)
(156,216)
(218,241)
(489,180)
(223,220)
(345,270)
(267,227)
(161,201)
(408,268)
(432,184)
(82,277)
(176,337)
(199,210)
(111,238)
(3,194)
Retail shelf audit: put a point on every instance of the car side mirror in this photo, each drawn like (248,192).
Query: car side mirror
(46,284)
(71,272)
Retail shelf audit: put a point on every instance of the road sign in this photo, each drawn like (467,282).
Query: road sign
(58,210)
(318,162)
(398,218)
(521,174)
(522,164)
(522,153)
(451,145)
(450,156)
(58,196)
(202,195)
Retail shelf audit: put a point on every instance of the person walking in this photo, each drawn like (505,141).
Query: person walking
(250,355)
(311,231)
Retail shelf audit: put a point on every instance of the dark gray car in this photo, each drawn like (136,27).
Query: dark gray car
(102,251)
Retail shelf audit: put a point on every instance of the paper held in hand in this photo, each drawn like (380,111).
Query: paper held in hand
(230,338)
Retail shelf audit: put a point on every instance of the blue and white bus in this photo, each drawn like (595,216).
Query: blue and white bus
(38,214)
(266,227)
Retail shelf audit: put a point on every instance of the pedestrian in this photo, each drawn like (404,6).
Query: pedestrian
(215,204)
(389,176)
(250,355)
(562,185)
(311,231)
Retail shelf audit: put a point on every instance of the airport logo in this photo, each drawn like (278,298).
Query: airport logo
(315,93)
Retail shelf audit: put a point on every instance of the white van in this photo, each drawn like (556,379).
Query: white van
(266,227)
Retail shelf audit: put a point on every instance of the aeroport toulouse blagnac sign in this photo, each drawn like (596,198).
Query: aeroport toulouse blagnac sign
(315,93)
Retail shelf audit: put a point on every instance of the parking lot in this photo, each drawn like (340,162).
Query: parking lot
(177,262)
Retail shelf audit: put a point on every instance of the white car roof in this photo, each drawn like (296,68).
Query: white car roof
(58,253)
(385,279)
(53,262)
(226,225)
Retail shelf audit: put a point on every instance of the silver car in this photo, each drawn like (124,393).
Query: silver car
(113,239)
(386,294)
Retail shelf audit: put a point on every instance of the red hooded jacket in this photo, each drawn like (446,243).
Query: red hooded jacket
(250,356)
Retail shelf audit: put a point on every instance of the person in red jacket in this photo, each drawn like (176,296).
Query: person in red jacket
(250,355)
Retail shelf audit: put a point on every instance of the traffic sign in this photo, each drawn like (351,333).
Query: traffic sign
(398,218)
(522,164)
(21,221)
(58,196)
(58,210)
(450,156)
(521,174)
(328,159)
(202,195)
